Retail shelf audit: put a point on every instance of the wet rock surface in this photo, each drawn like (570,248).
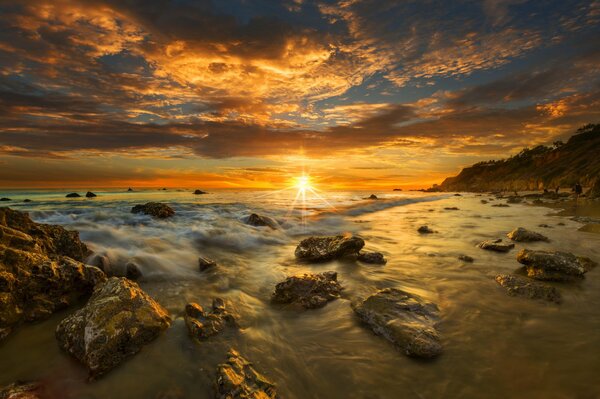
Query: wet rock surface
(40,270)
(118,320)
(322,249)
(498,245)
(261,221)
(523,235)
(202,324)
(425,230)
(206,263)
(238,379)
(22,390)
(309,291)
(404,319)
(156,209)
(527,288)
(554,266)
(132,271)
(376,258)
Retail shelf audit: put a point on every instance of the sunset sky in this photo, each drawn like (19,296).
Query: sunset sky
(358,93)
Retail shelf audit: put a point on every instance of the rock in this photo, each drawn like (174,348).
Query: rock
(260,221)
(309,291)
(501,206)
(560,224)
(198,192)
(466,258)
(102,262)
(118,320)
(22,390)
(238,379)
(554,266)
(496,245)
(397,189)
(202,325)
(40,270)
(5,199)
(73,195)
(524,287)
(546,226)
(372,197)
(483,201)
(590,228)
(205,263)
(90,194)
(26,200)
(372,257)
(523,235)
(457,195)
(404,319)
(321,249)
(514,200)
(453,208)
(132,271)
(156,209)
(129,190)
(425,230)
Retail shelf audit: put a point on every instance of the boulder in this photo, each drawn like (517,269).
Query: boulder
(404,319)
(40,270)
(325,248)
(156,209)
(425,230)
(261,221)
(554,266)
(372,197)
(26,200)
(198,192)
(22,390)
(73,195)
(238,379)
(129,189)
(527,288)
(309,291)
(498,245)
(205,263)
(372,257)
(5,199)
(90,194)
(523,235)
(118,320)
(132,271)
(202,325)
(466,258)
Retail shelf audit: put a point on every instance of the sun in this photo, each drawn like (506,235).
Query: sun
(303,183)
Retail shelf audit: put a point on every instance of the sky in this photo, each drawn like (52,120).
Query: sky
(251,94)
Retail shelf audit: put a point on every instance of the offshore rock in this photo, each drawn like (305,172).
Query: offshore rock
(404,319)
(238,379)
(466,258)
(425,230)
(118,320)
(156,209)
(132,271)
(372,257)
(5,199)
(90,194)
(496,245)
(73,195)
(199,192)
(310,291)
(527,288)
(206,263)
(523,235)
(554,266)
(322,249)
(202,324)
(261,221)
(372,197)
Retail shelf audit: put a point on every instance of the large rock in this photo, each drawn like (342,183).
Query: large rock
(73,195)
(527,288)
(322,249)
(202,324)
(238,379)
(40,270)
(22,390)
(376,258)
(496,245)
(425,230)
(156,209)
(523,235)
(404,319)
(261,221)
(90,194)
(309,291)
(554,266)
(118,320)
(199,192)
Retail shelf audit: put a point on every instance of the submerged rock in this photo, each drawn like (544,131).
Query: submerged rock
(238,379)
(451,208)
(554,266)
(205,263)
(260,221)
(425,230)
(22,390)
(118,320)
(496,245)
(372,257)
(404,319)
(309,291)
(523,235)
(524,287)
(73,195)
(202,325)
(514,200)
(156,209)
(321,249)
(40,270)
(198,192)
(90,194)
(466,258)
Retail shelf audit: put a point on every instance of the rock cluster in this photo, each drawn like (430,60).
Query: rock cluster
(156,209)
(523,235)
(554,266)
(310,291)
(202,324)
(524,287)
(238,379)
(322,249)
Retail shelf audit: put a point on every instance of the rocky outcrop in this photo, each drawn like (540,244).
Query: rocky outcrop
(90,194)
(376,258)
(261,221)
(309,291)
(73,195)
(523,235)
(404,319)
(554,266)
(496,245)
(132,270)
(40,269)
(322,249)
(156,209)
(425,230)
(202,324)
(372,197)
(22,390)
(238,379)
(199,192)
(118,320)
(206,263)
(527,288)
(3,199)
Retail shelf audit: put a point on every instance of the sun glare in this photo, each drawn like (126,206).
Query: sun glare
(303,183)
